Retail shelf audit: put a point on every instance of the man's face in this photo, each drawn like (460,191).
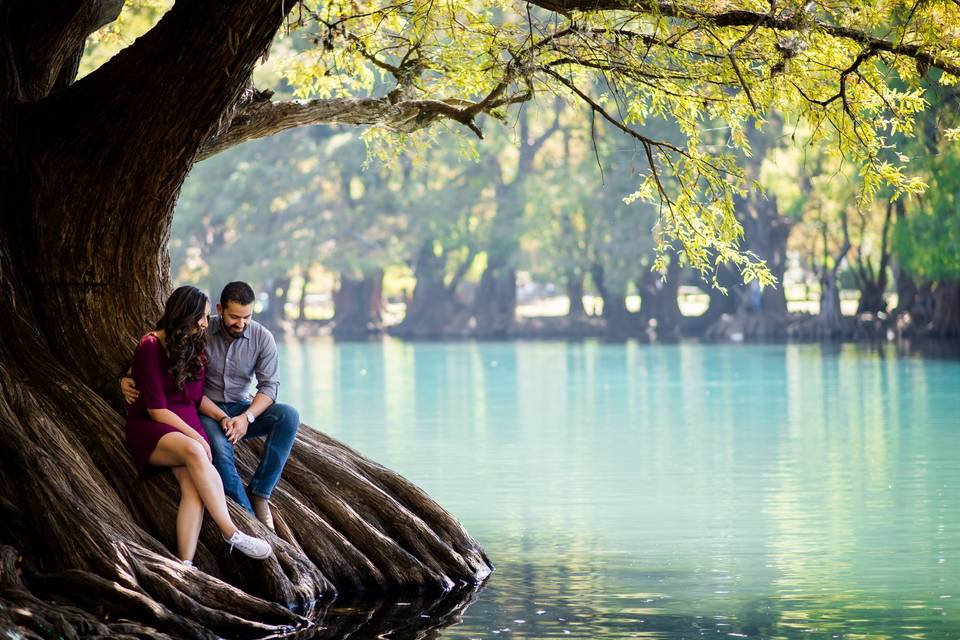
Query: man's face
(235,317)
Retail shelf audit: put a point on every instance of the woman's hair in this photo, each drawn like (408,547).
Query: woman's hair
(184,343)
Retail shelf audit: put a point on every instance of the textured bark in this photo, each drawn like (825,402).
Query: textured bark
(88,177)
(358,305)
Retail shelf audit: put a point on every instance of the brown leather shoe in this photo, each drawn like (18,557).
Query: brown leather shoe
(261,507)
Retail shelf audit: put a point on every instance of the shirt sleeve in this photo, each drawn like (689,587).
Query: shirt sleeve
(148,373)
(268,365)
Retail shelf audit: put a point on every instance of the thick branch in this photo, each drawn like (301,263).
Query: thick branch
(797,21)
(264,118)
(47,41)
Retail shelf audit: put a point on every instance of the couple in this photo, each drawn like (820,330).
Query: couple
(193,362)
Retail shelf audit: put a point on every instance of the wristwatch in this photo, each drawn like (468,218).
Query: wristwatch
(250,416)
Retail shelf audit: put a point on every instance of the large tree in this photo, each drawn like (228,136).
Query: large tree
(90,170)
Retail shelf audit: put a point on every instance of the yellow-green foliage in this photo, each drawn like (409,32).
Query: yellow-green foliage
(849,71)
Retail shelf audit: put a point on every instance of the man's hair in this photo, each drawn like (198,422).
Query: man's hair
(236,292)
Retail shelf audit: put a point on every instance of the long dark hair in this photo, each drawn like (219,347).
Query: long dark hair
(184,344)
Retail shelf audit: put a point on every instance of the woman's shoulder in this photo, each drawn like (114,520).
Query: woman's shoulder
(150,342)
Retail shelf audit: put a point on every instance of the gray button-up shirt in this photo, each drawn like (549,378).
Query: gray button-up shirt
(231,364)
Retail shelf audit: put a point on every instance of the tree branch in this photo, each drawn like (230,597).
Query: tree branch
(47,42)
(258,117)
(795,21)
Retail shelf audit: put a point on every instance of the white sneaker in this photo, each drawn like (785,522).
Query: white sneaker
(256,548)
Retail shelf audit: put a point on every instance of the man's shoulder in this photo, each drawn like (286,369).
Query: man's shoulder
(259,333)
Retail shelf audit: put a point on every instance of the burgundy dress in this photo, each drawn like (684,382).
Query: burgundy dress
(151,371)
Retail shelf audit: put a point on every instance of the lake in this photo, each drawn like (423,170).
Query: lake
(669,491)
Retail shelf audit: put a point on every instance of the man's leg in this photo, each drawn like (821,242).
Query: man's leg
(223,460)
(279,423)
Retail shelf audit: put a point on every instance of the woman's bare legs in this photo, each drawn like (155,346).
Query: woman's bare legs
(179,450)
(189,515)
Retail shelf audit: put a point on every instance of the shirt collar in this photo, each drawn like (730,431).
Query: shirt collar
(216,327)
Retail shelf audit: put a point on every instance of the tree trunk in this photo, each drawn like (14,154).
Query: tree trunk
(88,177)
(619,322)
(758,314)
(277,291)
(946,310)
(830,322)
(659,303)
(574,282)
(302,305)
(495,304)
(721,304)
(871,295)
(358,305)
(433,311)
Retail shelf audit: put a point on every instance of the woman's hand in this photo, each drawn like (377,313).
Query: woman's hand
(206,448)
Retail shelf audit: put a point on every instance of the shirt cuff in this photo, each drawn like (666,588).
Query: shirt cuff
(269,389)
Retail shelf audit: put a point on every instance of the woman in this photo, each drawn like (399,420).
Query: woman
(163,427)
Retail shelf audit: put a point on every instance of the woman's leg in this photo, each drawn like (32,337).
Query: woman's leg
(189,516)
(178,450)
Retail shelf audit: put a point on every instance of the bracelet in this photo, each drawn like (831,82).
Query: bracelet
(225,416)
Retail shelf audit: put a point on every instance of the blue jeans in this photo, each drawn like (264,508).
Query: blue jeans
(279,423)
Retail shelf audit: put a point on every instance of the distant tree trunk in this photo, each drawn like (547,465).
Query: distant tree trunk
(358,305)
(659,302)
(495,304)
(619,322)
(830,322)
(946,310)
(434,310)
(871,282)
(574,281)
(720,304)
(302,305)
(907,290)
(277,291)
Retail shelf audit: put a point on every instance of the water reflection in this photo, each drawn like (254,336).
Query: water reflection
(673,491)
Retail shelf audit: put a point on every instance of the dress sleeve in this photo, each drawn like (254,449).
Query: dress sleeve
(148,373)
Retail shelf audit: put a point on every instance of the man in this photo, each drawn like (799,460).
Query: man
(239,349)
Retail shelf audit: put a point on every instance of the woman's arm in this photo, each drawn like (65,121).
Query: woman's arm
(168,417)
(210,409)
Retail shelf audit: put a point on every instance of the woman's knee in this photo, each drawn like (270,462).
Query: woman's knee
(194,454)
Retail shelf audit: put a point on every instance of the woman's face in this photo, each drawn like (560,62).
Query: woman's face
(204,320)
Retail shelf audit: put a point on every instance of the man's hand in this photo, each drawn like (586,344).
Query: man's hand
(128,387)
(235,428)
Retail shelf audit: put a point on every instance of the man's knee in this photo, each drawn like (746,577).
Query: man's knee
(288,418)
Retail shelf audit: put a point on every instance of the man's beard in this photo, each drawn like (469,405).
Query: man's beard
(234,333)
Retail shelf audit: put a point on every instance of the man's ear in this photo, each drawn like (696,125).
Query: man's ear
(219,310)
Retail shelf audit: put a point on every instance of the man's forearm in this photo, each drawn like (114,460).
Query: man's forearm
(261,403)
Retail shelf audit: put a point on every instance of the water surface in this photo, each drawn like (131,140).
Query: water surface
(670,491)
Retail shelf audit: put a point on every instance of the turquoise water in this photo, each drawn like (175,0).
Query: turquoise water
(670,491)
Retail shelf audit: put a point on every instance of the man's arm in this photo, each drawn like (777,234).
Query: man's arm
(268,383)
(128,387)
